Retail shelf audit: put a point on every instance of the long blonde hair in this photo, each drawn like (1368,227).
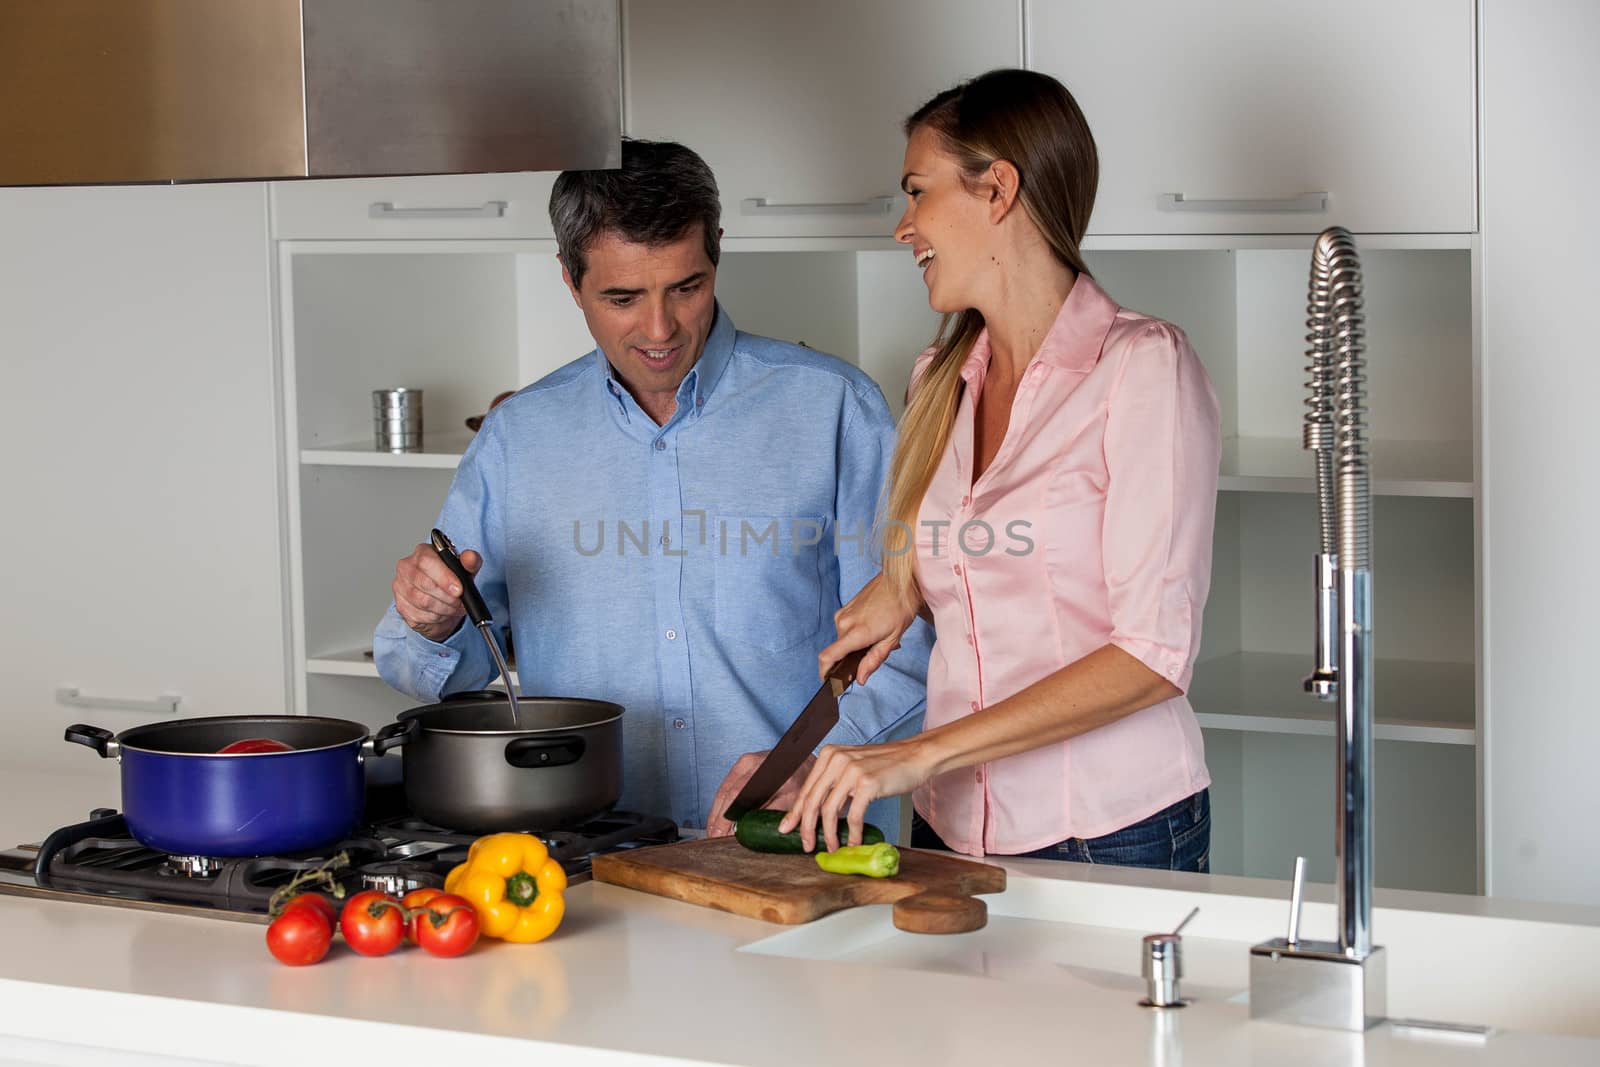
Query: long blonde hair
(1031,121)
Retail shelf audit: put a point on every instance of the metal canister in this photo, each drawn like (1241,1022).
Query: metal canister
(397,420)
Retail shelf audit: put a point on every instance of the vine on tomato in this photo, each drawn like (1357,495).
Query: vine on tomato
(413,901)
(446,925)
(373,923)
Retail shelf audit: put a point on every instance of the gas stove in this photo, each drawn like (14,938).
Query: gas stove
(98,861)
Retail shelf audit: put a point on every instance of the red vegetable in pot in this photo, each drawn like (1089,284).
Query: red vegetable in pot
(254,744)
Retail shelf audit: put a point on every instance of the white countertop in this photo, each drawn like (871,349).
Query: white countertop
(635,978)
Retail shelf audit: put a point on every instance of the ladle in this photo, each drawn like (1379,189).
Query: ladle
(478,612)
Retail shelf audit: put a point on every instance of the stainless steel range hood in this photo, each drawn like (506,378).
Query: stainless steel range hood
(124,91)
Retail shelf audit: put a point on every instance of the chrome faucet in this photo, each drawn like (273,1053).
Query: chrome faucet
(1339,984)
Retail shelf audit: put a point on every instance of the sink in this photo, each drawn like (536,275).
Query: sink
(1507,964)
(1013,948)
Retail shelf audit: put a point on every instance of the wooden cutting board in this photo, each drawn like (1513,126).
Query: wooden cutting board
(933,893)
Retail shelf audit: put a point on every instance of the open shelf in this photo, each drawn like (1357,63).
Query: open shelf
(349,663)
(1249,464)
(1399,468)
(439,452)
(355,663)
(1414,700)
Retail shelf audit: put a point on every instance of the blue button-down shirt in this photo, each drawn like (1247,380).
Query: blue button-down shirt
(688,572)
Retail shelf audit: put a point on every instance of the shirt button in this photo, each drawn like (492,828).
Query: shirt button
(974,705)
(661,446)
(678,724)
(969,640)
(965,501)
(672,635)
(956,568)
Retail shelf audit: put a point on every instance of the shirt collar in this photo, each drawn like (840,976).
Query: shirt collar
(707,370)
(1074,340)
(1079,332)
(702,378)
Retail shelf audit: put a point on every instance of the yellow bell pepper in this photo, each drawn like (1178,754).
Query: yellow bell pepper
(514,886)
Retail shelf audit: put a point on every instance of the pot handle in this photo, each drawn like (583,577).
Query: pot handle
(533,752)
(102,741)
(392,736)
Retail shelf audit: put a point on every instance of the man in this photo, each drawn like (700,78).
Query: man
(669,522)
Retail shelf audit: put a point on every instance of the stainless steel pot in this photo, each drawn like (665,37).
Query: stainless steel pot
(466,768)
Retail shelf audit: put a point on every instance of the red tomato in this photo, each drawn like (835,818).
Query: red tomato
(448,926)
(415,900)
(373,923)
(254,744)
(317,903)
(299,936)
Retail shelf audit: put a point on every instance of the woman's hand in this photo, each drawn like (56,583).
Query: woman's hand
(856,775)
(875,620)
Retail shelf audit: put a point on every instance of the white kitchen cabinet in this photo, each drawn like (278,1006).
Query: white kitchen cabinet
(142,525)
(1270,746)
(1541,511)
(798,107)
(462,321)
(1265,116)
(461,326)
(424,207)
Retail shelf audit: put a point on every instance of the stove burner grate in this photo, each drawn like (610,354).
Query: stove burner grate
(394,855)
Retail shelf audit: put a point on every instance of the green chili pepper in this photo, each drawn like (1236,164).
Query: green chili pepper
(881,860)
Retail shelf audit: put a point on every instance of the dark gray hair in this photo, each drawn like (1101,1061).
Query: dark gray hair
(661,192)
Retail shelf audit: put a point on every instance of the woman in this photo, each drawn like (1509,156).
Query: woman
(1050,508)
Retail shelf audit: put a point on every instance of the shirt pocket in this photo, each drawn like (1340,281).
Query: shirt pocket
(768,577)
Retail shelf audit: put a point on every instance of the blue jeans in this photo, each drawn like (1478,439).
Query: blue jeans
(1173,839)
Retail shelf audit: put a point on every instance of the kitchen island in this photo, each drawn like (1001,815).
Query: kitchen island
(632,978)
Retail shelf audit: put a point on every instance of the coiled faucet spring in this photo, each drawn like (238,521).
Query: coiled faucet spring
(1335,431)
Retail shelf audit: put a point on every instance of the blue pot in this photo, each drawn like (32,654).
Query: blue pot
(180,795)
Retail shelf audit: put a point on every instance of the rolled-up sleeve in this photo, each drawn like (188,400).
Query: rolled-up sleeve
(1162,449)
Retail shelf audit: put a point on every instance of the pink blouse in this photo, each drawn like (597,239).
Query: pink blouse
(1092,525)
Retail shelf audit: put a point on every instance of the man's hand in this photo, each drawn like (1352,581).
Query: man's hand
(427,595)
(743,768)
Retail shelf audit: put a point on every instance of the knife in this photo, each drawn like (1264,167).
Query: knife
(798,741)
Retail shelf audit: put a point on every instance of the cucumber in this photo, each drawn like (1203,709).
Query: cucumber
(758,831)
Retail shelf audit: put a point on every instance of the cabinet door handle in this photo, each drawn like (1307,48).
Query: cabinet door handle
(384,209)
(760,205)
(1304,203)
(166,703)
